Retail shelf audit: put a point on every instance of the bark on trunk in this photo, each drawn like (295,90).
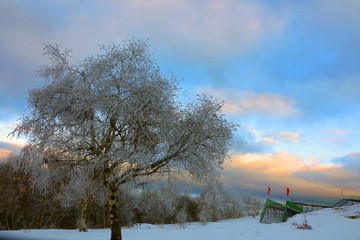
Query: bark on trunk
(82,227)
(7,221)
(105,219)
(51,221)
(12,222)
(84,205)
(114,212)
(42,213)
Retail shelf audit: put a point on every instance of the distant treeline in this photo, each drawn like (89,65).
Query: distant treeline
(22,207)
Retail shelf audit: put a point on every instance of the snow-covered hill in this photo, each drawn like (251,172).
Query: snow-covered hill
(330,224)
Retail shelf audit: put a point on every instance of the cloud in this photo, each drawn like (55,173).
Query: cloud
(21,32)
(246,103)
(21,36)
(315,61)
(278,163)
(246,140)
(203,30)
(195,30)
(280,170)
(10,146)
(289,137)
(269,105)
(268,140)
(293,59)
(350,162)
(250,140)
(334,136)
(337,12)
(6,148)
(4,153)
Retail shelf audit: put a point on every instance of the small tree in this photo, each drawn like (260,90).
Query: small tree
(212,202)
(68,184)
(252,206)
(81,188)
(118,113)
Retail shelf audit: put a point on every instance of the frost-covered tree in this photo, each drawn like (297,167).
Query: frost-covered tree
(69,184)
(118,113)
(212,202)
(158,206)
(81,188)
(41,179)
(252,206)
(217,203)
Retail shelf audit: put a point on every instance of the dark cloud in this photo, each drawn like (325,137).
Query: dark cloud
(21,40)
(10,146)
(350,162)
(243,144)
(245,141)
(255,184)
(347,176)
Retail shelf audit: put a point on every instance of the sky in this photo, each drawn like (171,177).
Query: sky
(287,71)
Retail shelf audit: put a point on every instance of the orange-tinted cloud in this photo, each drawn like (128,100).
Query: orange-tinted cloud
(11,145)
(6,148)
(268,140)
(280,163)
(4,153)
(287,136)
(282,169)
(271,105)
(243,103)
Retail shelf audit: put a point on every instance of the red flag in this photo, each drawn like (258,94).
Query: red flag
(269,189)
(287,191)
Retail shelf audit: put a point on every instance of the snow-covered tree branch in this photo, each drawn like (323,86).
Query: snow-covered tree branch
(119,113)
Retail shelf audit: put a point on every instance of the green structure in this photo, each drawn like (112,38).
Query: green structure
(274,212)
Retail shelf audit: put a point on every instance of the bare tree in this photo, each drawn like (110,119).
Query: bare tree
(118,113)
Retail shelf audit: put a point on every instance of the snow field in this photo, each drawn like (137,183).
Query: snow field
(329,224)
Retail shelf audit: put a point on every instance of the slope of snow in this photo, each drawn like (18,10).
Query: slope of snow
(329,224)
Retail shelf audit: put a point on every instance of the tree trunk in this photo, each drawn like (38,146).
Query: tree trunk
(82,227)
(114,211)
(12,222)
(43,213)
(84,205)
(51,221)
(7,221)
(104,219)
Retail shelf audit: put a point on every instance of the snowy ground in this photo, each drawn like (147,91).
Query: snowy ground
(326,224)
